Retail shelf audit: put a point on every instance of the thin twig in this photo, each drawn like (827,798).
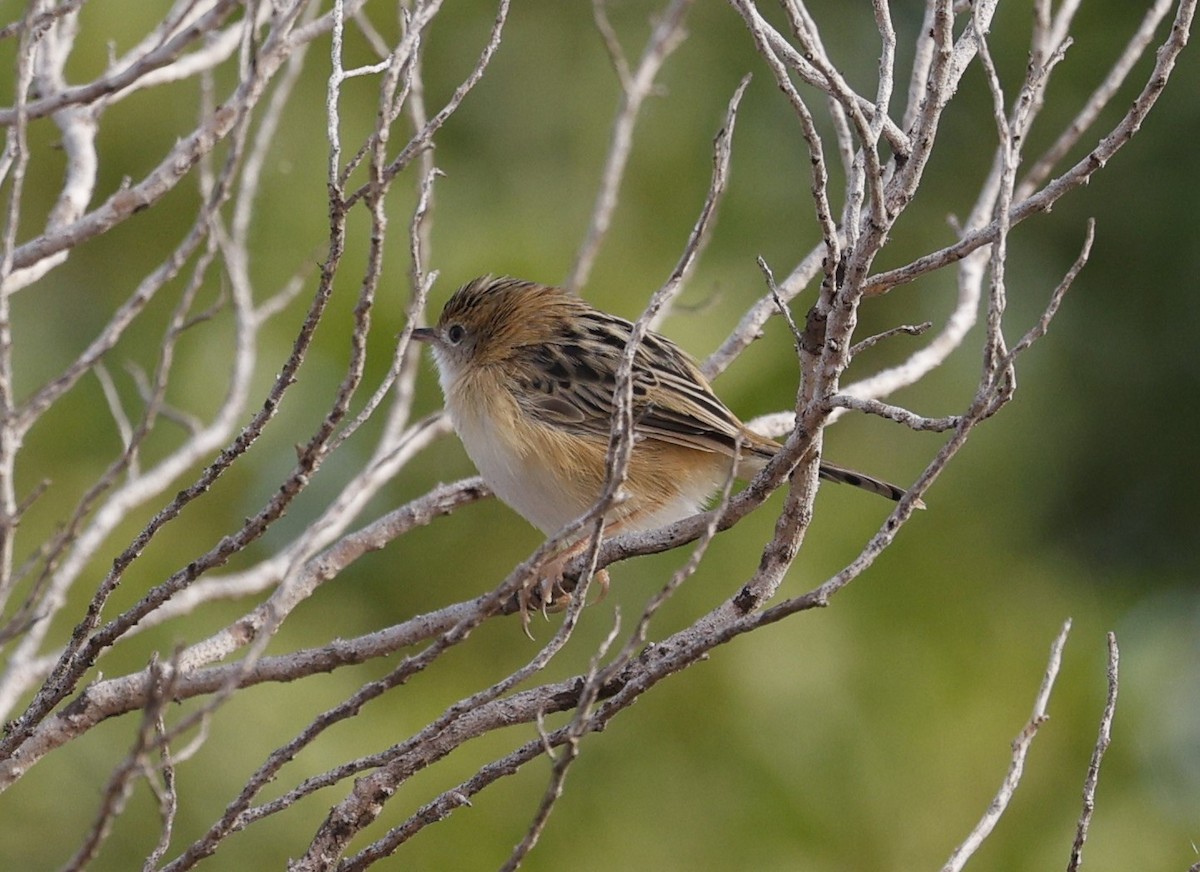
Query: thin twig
(1102,743)
(665,37)
(1020,750)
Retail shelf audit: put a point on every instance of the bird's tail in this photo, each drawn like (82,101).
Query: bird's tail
(841,475)
(757,450)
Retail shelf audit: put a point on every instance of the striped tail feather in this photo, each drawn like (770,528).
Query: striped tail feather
(841,475)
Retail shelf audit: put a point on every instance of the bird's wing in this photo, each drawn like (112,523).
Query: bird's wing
(569,384)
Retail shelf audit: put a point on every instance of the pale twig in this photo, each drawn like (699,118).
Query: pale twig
(166,794)
(887,66)
(458,796)
(1100,98)
(1007,159)
(78,656)
(807,34)
(363,803)
(280,41)
(779,48)
(313,454)
(904,329)
(260,148)
(894,413)
(420,230)
(116,792)
(15,159)
(922,63)
(818,354)
(1101,746)
(1020,750)
(1038,330)
(285,296)
(938,84)
(971,270)
(447,731)
(794,518)
(665,37)
(982,406)
(612,45)
(777,296)
(78,129)
(103,699)
(300,570)
(268,572)
(1076,176)
(865,170)
(333,96)
(760,30)
(951,337)
(1051,33)
(987,400)
(166,51)
(413,309)
(40,20)
(113,630)
(702,229)
(588,693)
(239,814)
(217,47)
(69,666)
(355,495)
(151,483)
(637,639)
(189,423)
(421,139)
(82,540)
(69,226)
(750,327)
(113,399)
(373,37)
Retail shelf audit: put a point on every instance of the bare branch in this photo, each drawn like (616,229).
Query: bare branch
(1102,743)
(1020,750)
(702,230)
(1138,44)
(665,37)
(1076,176)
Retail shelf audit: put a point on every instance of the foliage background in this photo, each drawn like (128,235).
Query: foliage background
(869,735)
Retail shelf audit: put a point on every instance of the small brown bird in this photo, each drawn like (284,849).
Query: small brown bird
(528,372)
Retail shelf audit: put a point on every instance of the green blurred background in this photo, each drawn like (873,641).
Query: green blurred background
(870,735)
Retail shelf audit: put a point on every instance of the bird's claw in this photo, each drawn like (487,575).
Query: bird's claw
(546,592)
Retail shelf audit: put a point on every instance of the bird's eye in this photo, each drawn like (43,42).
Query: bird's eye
(455,333)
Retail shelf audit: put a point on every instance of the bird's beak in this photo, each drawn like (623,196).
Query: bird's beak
(424,334)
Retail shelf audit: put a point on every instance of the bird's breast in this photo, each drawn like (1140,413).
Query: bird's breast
(548,477)
(551,476)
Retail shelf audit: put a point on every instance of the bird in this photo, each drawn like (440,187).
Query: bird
(528,372)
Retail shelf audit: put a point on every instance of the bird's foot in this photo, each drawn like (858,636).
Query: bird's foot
(547,591)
